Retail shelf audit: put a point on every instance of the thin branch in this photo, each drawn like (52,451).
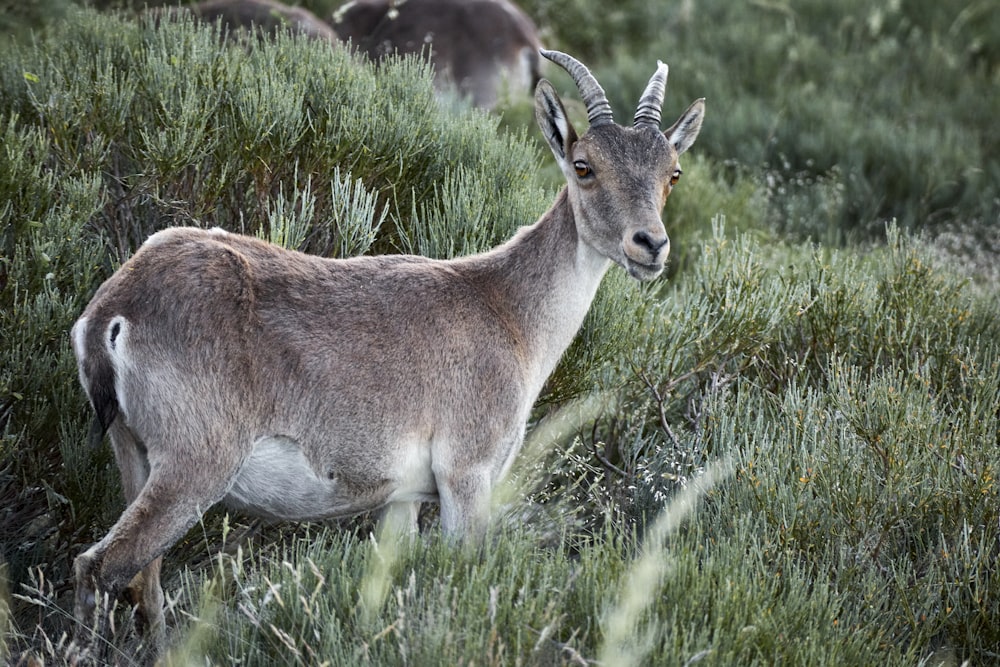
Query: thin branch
(660,406)
(605,462)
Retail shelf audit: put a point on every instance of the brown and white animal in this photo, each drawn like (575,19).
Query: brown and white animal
(477,46)
(295,387)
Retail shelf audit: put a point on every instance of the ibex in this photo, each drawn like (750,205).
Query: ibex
(294,387)
(267,16)
(476,46)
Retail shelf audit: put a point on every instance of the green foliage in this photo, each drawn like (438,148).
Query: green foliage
(47,268)
(17,19)
(433,585)
(817,99)
(582,27)
(187,132)
(857,399)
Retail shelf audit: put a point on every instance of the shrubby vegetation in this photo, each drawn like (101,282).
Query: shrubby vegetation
(785,453)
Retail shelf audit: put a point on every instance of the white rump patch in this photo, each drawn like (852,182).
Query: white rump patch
(525,72)
(115,335)
(78,336)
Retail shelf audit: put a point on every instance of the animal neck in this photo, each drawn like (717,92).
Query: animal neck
(545,278)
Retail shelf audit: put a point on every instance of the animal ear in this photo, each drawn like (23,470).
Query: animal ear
(551,117)
(685,130)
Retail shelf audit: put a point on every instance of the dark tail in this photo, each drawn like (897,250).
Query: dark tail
(100,376)
(95,436)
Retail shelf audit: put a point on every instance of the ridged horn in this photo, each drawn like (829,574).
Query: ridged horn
(598,107)
(648,111)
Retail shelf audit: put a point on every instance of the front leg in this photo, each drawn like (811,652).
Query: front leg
(465,502)
(400,519)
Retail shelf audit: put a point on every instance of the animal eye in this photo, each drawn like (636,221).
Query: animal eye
(582,168)
(675,177)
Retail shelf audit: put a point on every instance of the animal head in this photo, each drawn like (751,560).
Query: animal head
(618,177)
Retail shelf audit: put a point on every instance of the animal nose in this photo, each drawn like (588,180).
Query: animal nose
(653,244)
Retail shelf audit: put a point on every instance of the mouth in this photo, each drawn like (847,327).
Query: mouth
(644,254)
(643,272)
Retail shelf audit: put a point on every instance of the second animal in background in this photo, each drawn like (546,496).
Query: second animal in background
(265,16)
(477,46)
(482,49)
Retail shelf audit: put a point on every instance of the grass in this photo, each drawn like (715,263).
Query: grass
(784,453)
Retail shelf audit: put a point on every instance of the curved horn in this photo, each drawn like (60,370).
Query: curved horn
(598,107)
(648,111)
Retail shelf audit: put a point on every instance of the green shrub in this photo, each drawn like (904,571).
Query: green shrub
(17,19)
(889,102)
(856,396)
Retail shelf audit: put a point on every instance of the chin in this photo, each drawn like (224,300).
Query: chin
(644,272)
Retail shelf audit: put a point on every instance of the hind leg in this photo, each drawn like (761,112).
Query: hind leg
(146,597)
(147,528)
(173,496)
(143,591)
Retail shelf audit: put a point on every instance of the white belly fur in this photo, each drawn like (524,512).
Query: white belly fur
(278,482)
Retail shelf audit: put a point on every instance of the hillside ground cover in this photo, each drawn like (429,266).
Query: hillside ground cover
(785,453)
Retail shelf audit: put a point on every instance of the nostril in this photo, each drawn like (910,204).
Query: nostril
(646,240)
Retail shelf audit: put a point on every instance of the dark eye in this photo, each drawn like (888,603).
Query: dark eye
(582,168)
(676,176)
